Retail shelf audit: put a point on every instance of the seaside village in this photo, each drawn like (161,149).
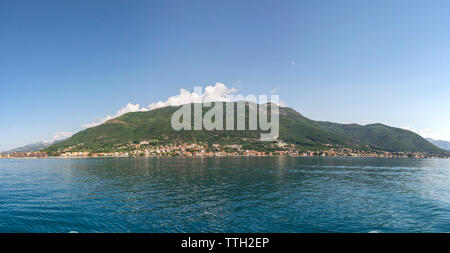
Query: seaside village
(151,148)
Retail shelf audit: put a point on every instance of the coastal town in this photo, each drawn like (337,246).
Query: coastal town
(151,148)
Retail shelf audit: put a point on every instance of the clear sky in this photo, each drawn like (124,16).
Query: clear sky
(67,63)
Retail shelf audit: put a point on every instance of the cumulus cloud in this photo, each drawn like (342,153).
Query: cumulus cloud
(128,108)
(218,92)
(61,135)
(58,136)
(367,122)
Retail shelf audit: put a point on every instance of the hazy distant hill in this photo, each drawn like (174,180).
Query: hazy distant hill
(294,128)
(31,147)
(441,144)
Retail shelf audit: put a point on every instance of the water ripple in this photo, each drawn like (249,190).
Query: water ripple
(225,195)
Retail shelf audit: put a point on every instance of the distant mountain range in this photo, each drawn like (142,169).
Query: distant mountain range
(33,147)
(441,144)
(294,128)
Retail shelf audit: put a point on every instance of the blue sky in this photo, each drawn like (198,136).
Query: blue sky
(68,63)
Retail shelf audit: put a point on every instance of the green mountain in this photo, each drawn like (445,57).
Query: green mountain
(382,137)
(294,128)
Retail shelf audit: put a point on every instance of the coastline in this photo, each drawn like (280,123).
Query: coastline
(206,157)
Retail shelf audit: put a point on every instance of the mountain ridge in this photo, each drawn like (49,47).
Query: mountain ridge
(440,143)
(32,147)
(295,128)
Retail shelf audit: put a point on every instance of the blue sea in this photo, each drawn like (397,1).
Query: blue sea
(230,194)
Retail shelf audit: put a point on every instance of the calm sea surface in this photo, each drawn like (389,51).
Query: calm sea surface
(264,194)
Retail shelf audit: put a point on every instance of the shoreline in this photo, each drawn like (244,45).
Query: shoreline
(205,157)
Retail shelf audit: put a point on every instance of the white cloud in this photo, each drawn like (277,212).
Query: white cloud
(61,135)
(238,84)
(366,122)
(293,63)
(128,108)
(428,133)
(58,136)
(218,92)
